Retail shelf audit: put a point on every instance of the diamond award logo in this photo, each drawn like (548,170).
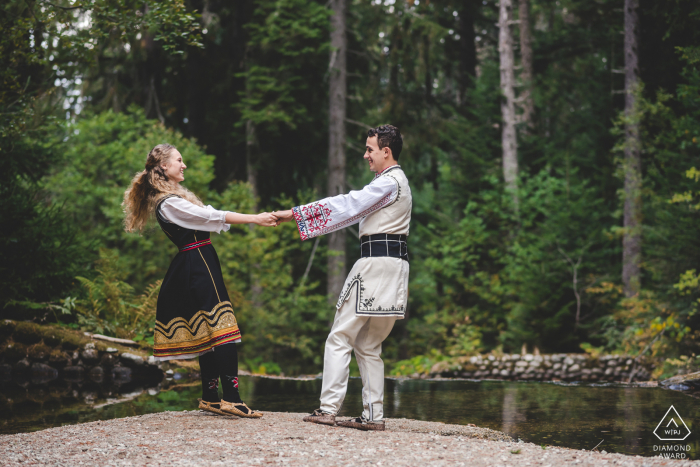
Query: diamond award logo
(672,427)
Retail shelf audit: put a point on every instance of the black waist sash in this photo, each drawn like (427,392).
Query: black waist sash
(392,245)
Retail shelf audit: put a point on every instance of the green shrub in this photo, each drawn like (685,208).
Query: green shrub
(109,305)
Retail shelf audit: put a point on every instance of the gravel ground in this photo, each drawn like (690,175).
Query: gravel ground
(198,438)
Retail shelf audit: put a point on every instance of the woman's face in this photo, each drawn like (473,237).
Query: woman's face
(174,167)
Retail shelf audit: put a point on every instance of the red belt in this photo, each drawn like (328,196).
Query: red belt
(194,245)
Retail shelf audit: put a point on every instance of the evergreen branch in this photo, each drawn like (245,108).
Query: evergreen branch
(65,8)
(355,122)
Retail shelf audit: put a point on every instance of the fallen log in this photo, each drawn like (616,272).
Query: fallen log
(116,340)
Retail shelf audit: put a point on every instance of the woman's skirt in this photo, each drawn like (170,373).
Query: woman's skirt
(194,312)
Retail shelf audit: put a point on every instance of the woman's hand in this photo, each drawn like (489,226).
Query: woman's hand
(284,216)
(266,219)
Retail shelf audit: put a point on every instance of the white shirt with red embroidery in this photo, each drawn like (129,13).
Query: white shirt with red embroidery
(337,212)
(190,216)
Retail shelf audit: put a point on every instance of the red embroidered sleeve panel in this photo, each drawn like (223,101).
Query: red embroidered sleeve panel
(337,212)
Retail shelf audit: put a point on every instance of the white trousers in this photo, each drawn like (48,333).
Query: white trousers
(364,335)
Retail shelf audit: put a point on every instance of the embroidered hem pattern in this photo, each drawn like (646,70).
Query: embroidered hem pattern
(363,306)
(205,330)
(163,357)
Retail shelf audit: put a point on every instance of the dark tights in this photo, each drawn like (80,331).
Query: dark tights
(221,363)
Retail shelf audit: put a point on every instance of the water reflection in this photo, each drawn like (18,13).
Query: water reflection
(579,417)
(511,416)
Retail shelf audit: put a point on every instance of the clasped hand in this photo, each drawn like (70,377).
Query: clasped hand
(273,219)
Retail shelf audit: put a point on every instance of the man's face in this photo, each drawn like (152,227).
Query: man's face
(373,155)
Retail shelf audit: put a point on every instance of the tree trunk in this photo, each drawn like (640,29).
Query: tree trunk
(336,142)
(196,94)
(508,136)
(632,240)
(467,48)
(428,75)
(528,104)
(251,165)
(197,86)
(250,155)
(149,75)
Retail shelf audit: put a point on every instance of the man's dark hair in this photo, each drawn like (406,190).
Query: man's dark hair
(388,135)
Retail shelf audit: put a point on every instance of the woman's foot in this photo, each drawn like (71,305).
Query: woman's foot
(213,407)
(239,409)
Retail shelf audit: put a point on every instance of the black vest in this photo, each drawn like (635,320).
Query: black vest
(183,238)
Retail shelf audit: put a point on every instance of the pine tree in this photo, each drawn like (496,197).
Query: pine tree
(509,137)
(632,240)
(336,141)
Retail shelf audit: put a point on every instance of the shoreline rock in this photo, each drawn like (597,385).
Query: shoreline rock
(546,367)
(689,382)
(39,354)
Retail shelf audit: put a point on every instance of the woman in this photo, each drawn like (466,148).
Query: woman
(194,316)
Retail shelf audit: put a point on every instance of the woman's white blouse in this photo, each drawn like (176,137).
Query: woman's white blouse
(190,216)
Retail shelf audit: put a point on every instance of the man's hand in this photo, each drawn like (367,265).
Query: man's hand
(267,219)
(284,216)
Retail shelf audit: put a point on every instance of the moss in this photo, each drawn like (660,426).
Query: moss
(7,327)
(59,358)
(27,333)
(70,341)
(52,338)
(39,352)
(11,351)
(30,334)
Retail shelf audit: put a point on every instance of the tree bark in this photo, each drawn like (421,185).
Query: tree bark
(149,75)
(336,142)
(251,165)
(428,75)
(632,240)
(507,68)
(197,84)
(467,48)
(526,75)
(196,94)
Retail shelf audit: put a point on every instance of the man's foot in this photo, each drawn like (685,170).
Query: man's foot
(320,417)
(360,423)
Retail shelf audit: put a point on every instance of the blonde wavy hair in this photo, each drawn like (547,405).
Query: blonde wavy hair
(148,187)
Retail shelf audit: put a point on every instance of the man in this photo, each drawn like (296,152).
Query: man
(375,293)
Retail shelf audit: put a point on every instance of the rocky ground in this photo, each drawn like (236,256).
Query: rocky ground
(197,438)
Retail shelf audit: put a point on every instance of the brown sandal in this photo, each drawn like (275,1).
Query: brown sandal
(361,424)
(209,407)
(232,408)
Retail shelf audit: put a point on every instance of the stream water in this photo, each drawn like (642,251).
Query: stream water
(614,418)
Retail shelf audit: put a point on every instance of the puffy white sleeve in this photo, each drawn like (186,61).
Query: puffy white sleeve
(337,212)
(190,216)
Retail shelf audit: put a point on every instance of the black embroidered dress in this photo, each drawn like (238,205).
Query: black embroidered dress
(194,312)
